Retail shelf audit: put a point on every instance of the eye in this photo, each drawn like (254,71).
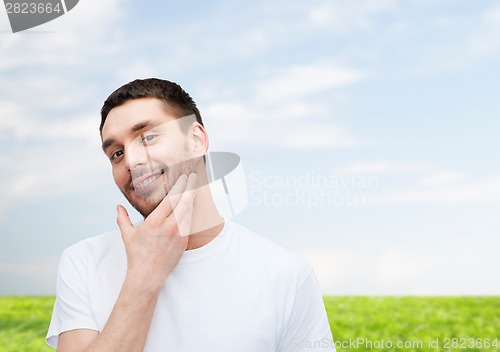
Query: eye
(149,138)
(116,155)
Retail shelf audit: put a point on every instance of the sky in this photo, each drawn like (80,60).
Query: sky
(367,131)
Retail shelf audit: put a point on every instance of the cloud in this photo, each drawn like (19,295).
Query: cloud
(300,80)
(492,15)
(23,126)
(47,159)
(381,167)
(317,136)
(287,125)
(49,172)
(256,31)
(459,41)
(441,179)
(65,41)
(139,68)
(29,278)
(440,188)
(50,103)
(346,17)
(399,271)
(477,192)
(279,110)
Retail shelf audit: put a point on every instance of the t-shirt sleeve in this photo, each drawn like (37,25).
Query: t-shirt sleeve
(72,307)
(307,328)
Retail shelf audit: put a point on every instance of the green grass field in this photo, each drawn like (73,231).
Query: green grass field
(411,320)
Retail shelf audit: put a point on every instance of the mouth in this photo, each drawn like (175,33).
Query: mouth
(144,184)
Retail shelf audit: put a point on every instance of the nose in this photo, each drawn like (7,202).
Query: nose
(137,155)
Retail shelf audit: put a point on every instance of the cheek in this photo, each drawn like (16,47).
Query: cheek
(166,153)
(120,175)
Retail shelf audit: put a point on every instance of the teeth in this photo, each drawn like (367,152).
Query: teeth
(146,182)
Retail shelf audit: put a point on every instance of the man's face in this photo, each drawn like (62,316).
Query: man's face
(148,150)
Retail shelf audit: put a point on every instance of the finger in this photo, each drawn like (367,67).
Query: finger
(185,204)
(123,220)
(177,194)
(192,182)
(165,207)
(184,225)
(187,197)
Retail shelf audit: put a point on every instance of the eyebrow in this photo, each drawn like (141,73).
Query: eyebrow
(134,129)
(107,143)
(142,125)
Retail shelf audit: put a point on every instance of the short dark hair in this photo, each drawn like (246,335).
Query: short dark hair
(167,91)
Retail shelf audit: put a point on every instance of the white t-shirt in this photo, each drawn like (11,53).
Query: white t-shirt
(240,292)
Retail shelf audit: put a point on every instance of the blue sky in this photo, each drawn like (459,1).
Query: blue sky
(368,131)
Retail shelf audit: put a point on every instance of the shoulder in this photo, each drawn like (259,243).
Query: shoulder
(96,246)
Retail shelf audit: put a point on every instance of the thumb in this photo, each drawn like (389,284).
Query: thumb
(123,220)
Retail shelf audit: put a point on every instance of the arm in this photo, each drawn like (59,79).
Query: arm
(127,327)
(307,328)
(153,251)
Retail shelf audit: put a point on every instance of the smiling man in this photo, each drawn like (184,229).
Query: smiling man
(185,279)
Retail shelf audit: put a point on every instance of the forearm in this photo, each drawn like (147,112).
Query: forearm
(153,250)
(128,325)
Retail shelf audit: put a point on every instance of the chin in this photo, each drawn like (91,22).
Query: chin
(146,209)
(143,205)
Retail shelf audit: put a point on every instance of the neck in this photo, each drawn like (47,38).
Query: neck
(206,221)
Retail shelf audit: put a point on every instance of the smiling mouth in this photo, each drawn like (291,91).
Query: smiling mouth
(146,183)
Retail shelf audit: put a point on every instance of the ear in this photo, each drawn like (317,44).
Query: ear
(198,139)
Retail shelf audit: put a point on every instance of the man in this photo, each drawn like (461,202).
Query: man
(185,279)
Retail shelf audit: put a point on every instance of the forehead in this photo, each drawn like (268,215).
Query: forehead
(122,118)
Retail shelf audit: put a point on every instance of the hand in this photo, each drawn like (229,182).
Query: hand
(154,248)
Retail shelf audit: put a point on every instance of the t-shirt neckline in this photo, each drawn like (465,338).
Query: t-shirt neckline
(211,247)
